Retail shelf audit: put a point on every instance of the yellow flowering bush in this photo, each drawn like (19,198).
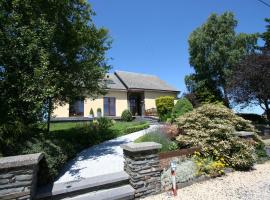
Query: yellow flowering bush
(208,166)
(212,127)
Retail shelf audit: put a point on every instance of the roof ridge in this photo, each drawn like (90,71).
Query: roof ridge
(136,73)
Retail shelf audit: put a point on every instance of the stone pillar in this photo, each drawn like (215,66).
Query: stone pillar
(142,165)
(18,176)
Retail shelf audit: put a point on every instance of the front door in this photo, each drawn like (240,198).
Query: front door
(136,103)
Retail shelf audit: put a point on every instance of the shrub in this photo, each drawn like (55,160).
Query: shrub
(212,127)
(208,166)
(136,128)
(164,107)
(171,130)
(104,123)
(181,107)
(91,112)
(255,118)
(126,116)
(185,171)
(160,137)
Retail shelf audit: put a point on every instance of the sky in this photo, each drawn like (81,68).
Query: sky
(151,36)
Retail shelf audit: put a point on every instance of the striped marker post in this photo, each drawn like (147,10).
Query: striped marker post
(173,173)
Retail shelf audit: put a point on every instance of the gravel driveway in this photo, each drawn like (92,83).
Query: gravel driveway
(252,185)
(100,159)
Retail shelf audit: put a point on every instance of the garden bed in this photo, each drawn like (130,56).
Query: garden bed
(166,157)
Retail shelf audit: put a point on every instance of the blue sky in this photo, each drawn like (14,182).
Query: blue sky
(151,36)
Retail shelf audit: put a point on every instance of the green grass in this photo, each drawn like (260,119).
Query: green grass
(66,125)
(159,137)
(118,126)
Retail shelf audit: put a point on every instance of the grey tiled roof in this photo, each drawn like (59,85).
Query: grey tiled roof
(113,82)
(143,81)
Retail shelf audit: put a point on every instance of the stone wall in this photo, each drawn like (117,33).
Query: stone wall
(18,176)
(142,165)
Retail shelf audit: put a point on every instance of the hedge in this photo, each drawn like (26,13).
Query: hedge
(137,128)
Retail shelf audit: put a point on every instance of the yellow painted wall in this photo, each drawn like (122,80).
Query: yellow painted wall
(61,111)
(120,103)
(150,98)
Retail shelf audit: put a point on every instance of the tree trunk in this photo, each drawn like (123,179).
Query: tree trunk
(226,99)
(49,113)
(267,110)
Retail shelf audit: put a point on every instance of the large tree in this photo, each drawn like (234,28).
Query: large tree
(50,50)
(250,83)
(214,49)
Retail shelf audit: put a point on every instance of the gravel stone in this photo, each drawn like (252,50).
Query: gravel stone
(251,185)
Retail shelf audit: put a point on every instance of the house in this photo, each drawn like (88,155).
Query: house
(126,90)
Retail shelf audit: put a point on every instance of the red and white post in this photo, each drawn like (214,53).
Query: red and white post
(173,173)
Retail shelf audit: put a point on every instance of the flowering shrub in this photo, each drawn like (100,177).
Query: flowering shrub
(208,166)
(171,130)
(212,127)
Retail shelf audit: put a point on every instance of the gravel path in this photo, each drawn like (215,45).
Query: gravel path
(252,185)
(100,159)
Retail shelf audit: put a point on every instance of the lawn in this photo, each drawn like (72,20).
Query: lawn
(118,126)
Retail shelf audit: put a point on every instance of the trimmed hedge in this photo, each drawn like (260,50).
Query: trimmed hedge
(137,128)
(164,106)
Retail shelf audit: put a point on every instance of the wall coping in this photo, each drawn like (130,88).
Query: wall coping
(143,146)
(20,160)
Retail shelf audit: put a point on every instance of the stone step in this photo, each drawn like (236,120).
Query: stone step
(83,186)
(125,192)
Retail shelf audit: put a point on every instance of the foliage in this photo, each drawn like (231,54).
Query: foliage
(170,130)
(50,51)
(63,144)
(185,171)
(91,112)
(160,137)
(214,49)
(181,107)
(254,118)
(250,83)
(164,106)
(212,127)
(99,110)
(126,116)
(199,92)
(136,128)
(208,166)
(193,99)
(266,35)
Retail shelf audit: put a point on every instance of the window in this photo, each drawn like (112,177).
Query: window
(76,108)
(109,106)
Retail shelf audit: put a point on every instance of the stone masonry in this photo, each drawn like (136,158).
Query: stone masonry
(142,165)
(18,176)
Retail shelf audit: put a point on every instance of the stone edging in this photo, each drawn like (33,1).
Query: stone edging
(21,160)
